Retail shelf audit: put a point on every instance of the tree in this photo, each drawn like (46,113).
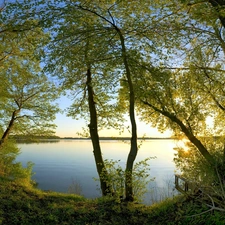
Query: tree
(134,149)
(183,100)
(172,95)
(76,22)
(113,28)
(26,94)
(85,71)
(27,108)
(179,95)
(79,33)
(213,8)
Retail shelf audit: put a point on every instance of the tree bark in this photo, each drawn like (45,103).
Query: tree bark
(133,148)
(185,130)
(9,128)
(93,128)
(219,6)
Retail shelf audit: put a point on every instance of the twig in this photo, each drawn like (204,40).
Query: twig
(212,207)
(221,184)
(216,208)
(200,213)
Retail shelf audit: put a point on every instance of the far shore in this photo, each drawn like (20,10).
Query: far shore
(118,138)
(21,139)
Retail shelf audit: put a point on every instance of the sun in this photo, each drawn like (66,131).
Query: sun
(183,143)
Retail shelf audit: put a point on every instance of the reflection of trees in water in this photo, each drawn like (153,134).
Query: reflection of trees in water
(27,141)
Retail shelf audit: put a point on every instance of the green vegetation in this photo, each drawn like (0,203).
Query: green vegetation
(27,96)
(114,174)
(160,60)
(25,205)
(9,168)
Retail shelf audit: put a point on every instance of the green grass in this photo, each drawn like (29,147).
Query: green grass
(27,205)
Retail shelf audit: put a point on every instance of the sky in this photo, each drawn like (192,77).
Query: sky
(68,127)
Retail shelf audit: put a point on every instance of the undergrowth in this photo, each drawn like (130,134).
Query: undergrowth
(24,205)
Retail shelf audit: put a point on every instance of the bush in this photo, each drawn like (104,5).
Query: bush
(11,169)
(209,178)
(115,176)
(194,166)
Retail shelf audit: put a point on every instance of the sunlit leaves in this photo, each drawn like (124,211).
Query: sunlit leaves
(32,95)
(24,88)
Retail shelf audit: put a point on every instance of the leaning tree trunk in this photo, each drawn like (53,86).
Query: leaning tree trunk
(218,168)
(192,138)
(9,128)
(93,128)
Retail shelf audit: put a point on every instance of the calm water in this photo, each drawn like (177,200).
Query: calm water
(58,164)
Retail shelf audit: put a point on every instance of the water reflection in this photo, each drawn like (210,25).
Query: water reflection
(32,141)
(58,164)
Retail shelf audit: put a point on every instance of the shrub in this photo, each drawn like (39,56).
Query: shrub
(11,169)
(115,176)
(209,178)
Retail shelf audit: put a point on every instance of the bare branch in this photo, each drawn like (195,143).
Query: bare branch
(110,14)
(212,207)
(3,6)
(209,210)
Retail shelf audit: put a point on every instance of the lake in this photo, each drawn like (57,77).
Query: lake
(65,162)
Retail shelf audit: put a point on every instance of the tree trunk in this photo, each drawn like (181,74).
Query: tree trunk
(93,128)
(185,130)
(9,128)
(219,6)
(133,148)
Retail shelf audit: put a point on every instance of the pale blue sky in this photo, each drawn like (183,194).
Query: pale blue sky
(68,127)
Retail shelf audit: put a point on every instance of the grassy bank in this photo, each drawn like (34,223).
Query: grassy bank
(26,205)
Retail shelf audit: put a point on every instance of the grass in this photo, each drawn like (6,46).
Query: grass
(26,205)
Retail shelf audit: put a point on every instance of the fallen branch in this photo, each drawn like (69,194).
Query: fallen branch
(212,207)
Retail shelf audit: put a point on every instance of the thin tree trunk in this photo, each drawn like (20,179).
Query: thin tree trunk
(93,128)
(133,148)
(9,128)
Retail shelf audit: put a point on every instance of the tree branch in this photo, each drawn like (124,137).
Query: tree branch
(205,153)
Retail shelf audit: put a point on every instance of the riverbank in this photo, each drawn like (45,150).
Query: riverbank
(27,205)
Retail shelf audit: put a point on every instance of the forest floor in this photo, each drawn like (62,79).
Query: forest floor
(30,206)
